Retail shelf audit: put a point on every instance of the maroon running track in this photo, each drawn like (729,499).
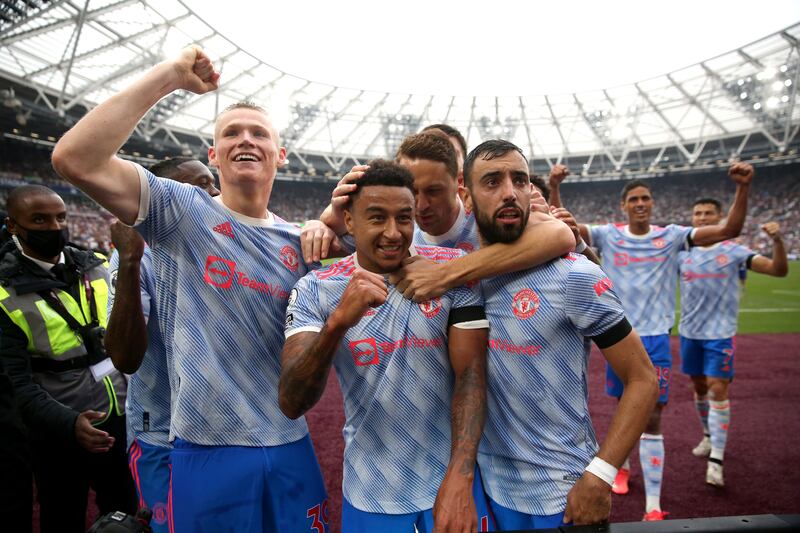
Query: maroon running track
(762,471)
(761,460)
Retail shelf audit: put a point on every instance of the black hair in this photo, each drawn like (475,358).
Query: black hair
(632,185)
(713,201)
(19,194)
(450,131)
(386,173)
(487,151)
(430,146)
(539,183)
(169,167)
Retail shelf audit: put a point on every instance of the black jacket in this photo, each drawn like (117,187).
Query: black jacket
(44,416)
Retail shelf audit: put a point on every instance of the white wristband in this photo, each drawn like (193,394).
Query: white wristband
(581,247)
(603,470)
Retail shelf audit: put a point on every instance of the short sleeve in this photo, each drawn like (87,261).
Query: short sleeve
(304,312)
(680,235)
(467,311)
(598,234)
(742,254)
(590,301)
(162,205)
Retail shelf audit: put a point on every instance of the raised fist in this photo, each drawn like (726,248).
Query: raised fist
(558,174)
(773,229)
(195,71)
(741,173)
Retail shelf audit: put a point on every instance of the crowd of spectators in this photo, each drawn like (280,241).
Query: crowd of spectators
(775,195)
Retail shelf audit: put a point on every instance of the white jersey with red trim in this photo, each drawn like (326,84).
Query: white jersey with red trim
(395,374)
(538,436)
(463,234)
(644,271)
(710,290)
(222,287)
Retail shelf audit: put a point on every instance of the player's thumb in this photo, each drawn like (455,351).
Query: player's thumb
(567,514)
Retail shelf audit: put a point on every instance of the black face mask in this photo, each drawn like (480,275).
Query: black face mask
(45,242)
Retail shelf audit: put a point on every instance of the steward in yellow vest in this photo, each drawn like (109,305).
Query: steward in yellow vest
(53,300)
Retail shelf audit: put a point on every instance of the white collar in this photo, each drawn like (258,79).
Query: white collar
(268,219)
(412,251)
(454,230)
(44,265)
(628,233)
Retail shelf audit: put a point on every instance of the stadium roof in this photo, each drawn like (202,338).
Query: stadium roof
(76,54)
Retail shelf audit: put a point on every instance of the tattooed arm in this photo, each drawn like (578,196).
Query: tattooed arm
(454,509)
(307,356)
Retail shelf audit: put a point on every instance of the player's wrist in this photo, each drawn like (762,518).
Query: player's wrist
(602,470)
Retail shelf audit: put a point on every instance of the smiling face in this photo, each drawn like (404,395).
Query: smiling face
(499,193)
(638,205)
(381,220)
(246,148)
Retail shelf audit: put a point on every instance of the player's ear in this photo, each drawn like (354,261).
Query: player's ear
(212,157)
(348,219)
(466,197)
(282,157)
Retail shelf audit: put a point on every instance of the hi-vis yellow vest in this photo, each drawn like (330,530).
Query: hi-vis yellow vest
(48,334)
(50,337)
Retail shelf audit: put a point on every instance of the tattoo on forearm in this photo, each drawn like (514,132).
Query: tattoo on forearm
(468,415)
(306,369)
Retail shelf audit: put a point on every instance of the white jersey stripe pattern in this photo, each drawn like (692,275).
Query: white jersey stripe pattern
(539,436)
(222,287)
(644,271)
(710,290)
(394,371)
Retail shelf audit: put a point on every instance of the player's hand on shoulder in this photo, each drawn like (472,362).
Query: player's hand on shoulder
(317,240)
(773,229)
(589,501)
(195,70)
(420,279)
(538,203)
(365,289)
(127,241)
(558,174)
(566,217)
(741,173)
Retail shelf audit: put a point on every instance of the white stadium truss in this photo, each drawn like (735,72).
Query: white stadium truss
(75,53)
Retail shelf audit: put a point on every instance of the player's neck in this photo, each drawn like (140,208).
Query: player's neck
(639,228)
(251,205)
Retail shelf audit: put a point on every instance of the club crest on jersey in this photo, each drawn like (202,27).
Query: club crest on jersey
(219,272)
(289,258)
(526,303)
(659,242)
(431,308)
(722,259)
(365,352)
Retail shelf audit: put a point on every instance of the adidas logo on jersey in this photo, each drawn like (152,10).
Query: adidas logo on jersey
(225,229)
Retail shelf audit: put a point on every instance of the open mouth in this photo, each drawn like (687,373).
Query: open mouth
(246,157)
(509,215)
(390,251)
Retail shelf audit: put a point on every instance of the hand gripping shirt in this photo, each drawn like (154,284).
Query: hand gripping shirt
(394,371)
(463,234)
(147,408)
(710,289)
(222,287)
(643,269)
(538,436)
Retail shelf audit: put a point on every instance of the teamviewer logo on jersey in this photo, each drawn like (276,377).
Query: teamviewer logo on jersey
(365,352)
(219,272)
